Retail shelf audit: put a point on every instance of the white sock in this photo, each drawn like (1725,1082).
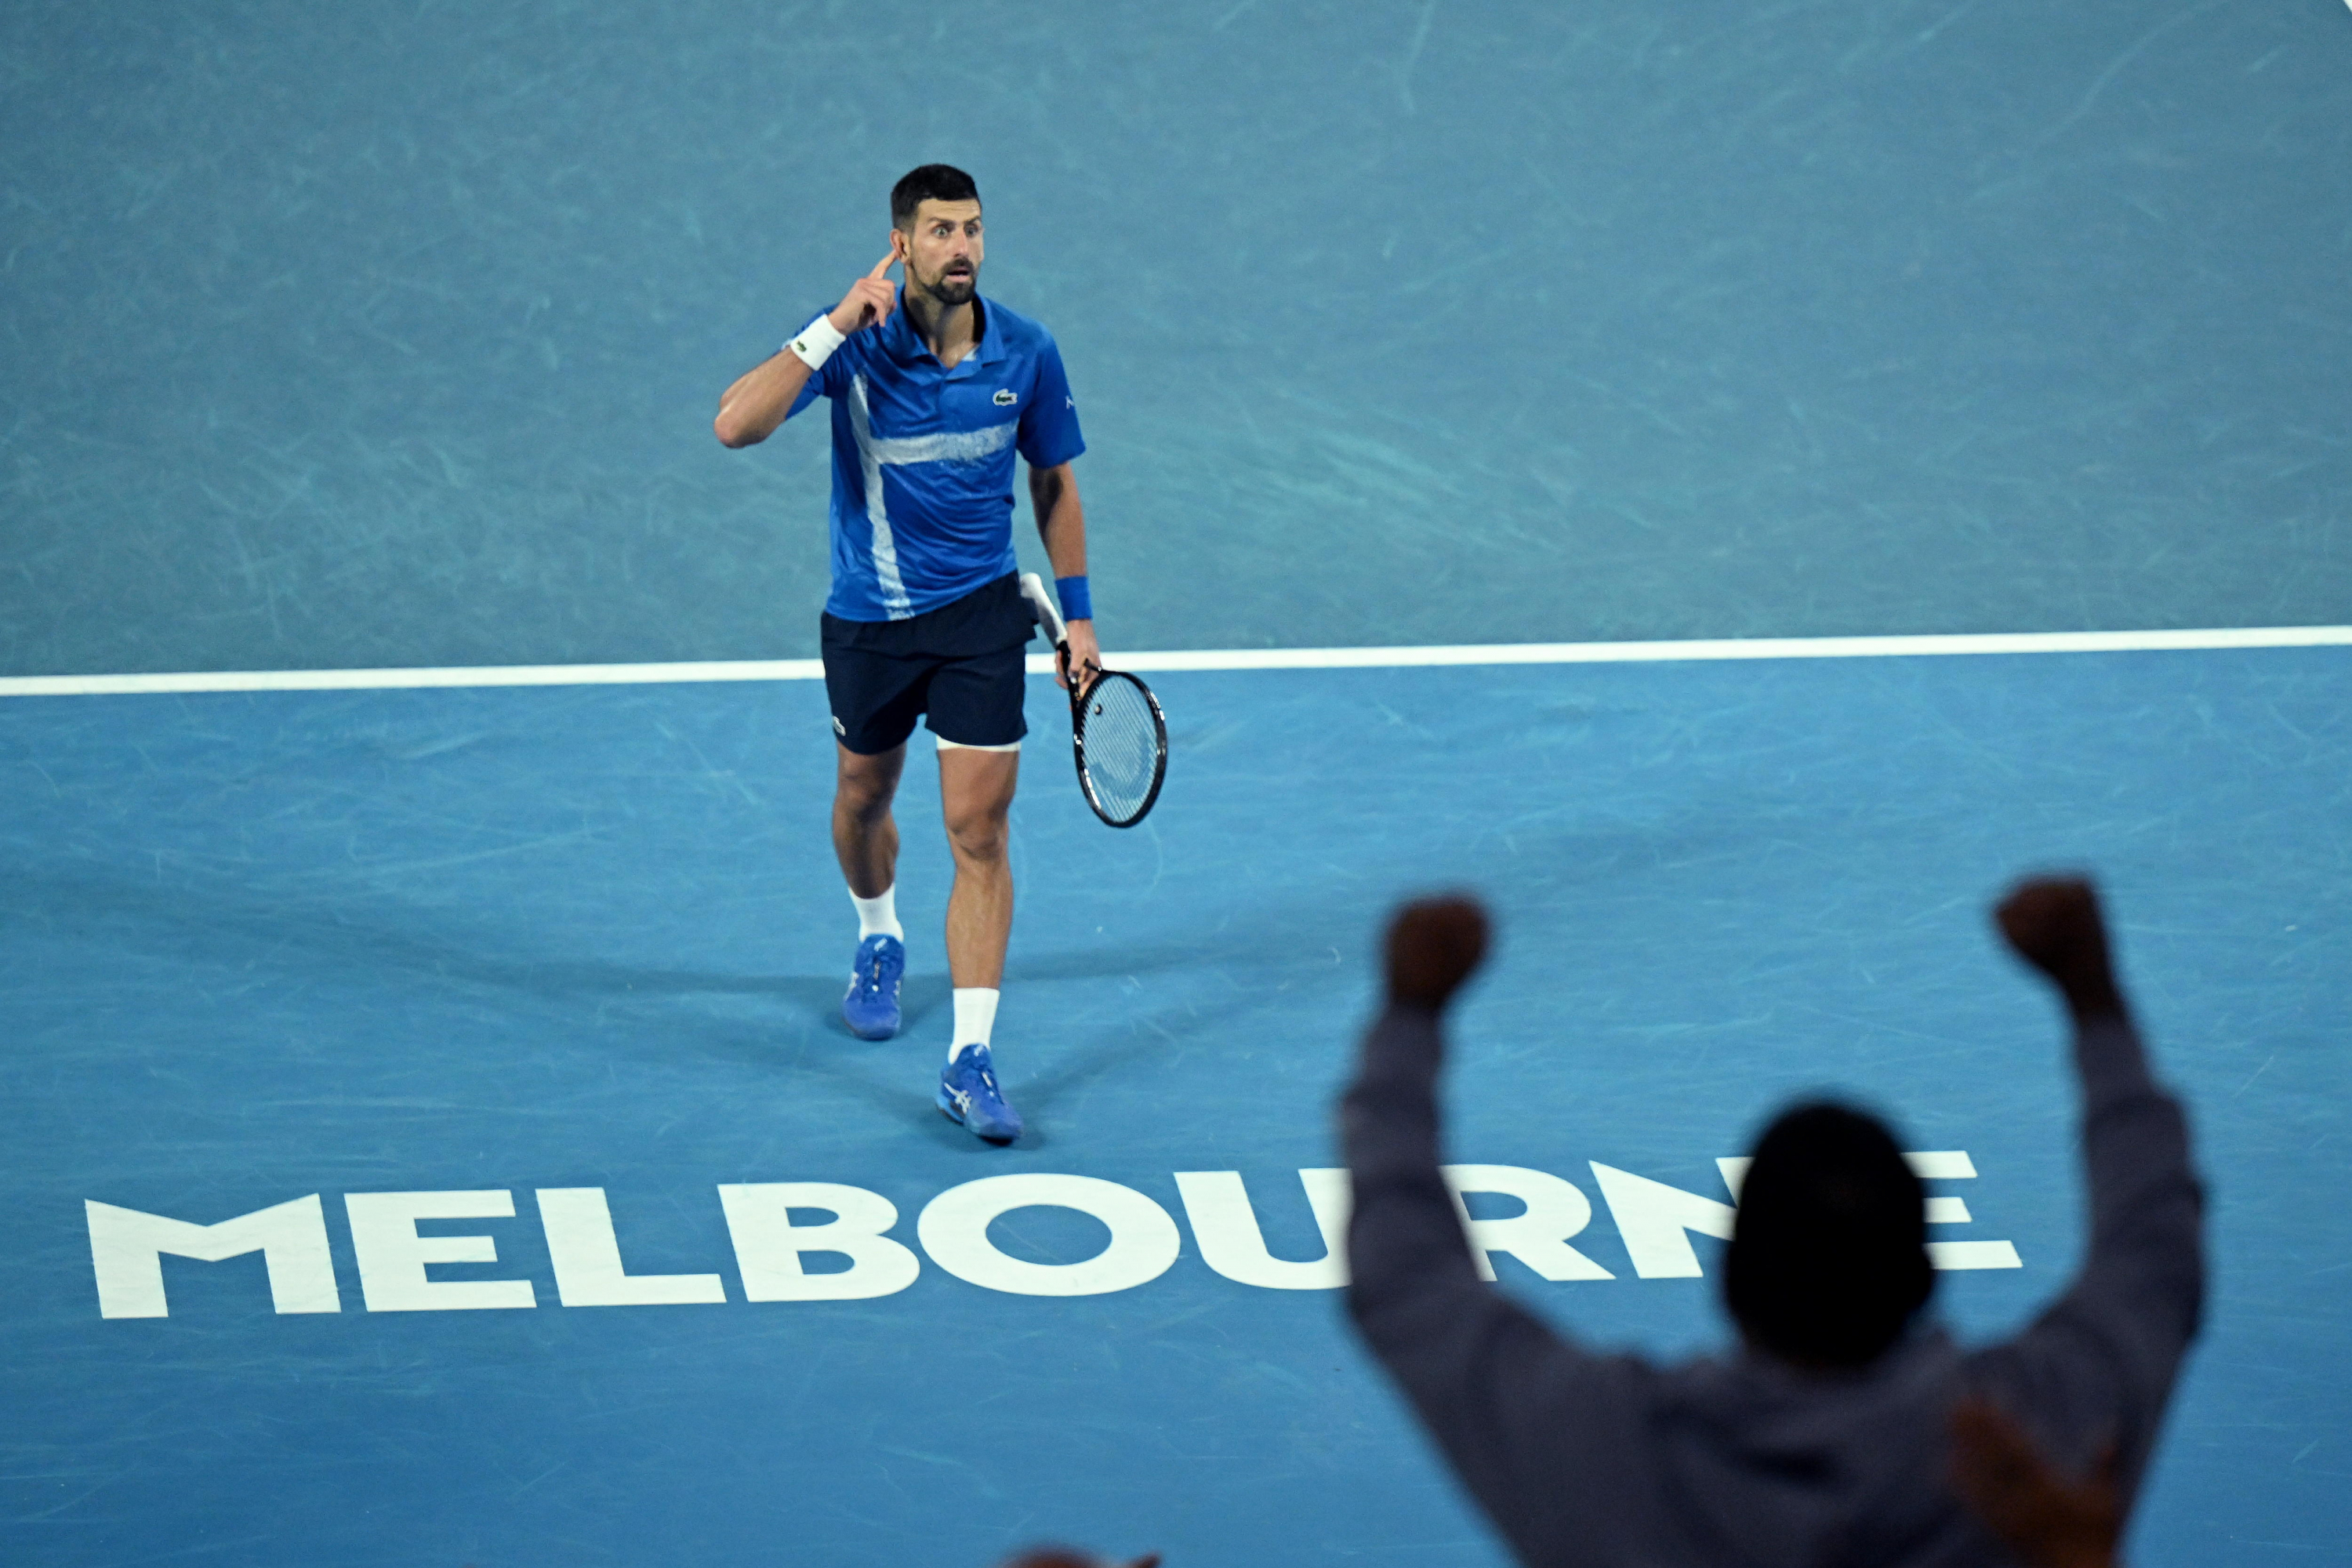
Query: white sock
(878,916)
(975,1016)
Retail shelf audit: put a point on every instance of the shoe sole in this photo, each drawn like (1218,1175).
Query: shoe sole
(948,1110)
(868,1032)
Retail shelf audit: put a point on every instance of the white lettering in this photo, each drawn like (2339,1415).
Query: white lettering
(126,1250)
(953,1228)
(1537,1237)
(775,1227)
(1974,1255)
(587,1257)
(1930,1165)
(1226,1230)
(1654,1221)
(768,1244)
(393,1256)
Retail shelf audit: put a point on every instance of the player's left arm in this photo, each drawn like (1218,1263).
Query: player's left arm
(1062,524)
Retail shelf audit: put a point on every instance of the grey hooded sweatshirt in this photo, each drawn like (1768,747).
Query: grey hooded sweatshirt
(1611,1461)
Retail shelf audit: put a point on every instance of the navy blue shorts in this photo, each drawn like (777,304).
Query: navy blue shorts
(959,665)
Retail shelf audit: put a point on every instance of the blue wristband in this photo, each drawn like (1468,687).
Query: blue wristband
(1077,604)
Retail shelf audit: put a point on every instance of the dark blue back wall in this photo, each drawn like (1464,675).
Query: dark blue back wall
(369,335)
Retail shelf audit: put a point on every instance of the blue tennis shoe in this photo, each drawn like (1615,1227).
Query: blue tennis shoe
(871,1007)
(968,1093)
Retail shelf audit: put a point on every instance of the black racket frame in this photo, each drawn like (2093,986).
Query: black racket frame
(1049,617)
(1079,700)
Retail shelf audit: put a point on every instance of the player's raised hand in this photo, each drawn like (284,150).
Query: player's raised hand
(870,299)
(2054,924)
(1435,944)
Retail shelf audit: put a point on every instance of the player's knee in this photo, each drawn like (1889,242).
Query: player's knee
(862,801)
(978,835)
(863,793)
(866,808)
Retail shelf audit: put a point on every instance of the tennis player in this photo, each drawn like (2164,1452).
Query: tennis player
(934,389)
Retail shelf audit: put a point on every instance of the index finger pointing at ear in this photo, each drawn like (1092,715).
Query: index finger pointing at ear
(886,263)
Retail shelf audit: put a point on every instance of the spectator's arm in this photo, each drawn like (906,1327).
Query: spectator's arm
(1503,1395)
(2094,1371)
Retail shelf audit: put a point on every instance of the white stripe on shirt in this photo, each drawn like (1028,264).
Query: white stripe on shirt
(950,446)
(885,547)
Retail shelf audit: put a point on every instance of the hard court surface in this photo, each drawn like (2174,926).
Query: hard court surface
(388,335)
(264,946)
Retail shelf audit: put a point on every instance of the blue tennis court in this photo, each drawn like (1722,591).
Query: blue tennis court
(487,1036)
(268,946)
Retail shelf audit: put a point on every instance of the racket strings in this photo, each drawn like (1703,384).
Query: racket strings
(1122,739)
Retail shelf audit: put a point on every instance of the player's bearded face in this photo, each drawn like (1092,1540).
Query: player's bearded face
(944,251)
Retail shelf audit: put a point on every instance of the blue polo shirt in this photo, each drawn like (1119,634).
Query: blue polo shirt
(922,457)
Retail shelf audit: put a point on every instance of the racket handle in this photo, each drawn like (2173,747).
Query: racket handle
(1049,615)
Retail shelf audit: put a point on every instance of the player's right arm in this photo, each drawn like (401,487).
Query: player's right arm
(750,411)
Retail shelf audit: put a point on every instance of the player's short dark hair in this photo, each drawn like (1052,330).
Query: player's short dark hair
(931,182)
(1829,1257)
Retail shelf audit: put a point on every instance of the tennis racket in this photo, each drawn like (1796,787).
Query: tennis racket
(1117,730)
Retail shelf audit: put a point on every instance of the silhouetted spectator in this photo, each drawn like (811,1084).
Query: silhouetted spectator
(1826,1439)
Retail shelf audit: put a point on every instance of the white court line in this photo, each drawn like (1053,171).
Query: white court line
(1221,658)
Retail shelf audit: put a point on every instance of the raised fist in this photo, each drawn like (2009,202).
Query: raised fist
(1435,944)
(2053,924)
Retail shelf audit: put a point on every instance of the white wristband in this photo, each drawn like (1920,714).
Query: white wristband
(816,342)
